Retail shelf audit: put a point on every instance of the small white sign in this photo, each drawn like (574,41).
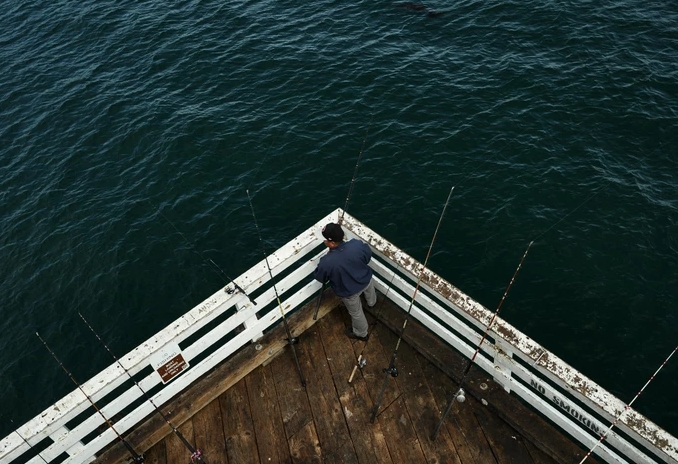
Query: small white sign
(169,362)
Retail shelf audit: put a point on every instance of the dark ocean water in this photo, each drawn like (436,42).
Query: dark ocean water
(557,121)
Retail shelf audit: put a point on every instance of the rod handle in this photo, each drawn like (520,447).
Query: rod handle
(350,379)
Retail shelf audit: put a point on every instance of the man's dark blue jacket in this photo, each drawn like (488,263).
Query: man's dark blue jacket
(346,268)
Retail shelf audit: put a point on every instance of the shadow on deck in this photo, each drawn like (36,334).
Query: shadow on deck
(262,414)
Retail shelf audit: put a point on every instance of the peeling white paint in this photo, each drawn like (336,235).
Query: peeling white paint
(517,361)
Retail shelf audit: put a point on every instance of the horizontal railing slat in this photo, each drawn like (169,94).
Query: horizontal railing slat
(467,348)
(648,434)
(516,361)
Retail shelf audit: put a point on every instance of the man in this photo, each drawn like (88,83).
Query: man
(345,266)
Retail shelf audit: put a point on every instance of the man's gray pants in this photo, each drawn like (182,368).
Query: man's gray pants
(355,308)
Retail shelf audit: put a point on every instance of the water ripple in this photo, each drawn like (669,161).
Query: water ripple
(553,118)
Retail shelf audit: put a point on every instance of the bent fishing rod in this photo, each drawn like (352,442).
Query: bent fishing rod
(391,369)
(135,456)
(628,406)
(196,453)
(291,340)
(217,269)
(343,211)
(460,394)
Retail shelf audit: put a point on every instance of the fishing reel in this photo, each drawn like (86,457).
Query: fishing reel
(362,363)
(196,456)
(231,290)
(293,340)
(393,371)
(460,396)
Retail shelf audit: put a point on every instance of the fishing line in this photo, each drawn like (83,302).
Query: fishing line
(292,341)
(391,369)
(343,211)
(261,163)
(628,406)
(487,159)
(196,454)
(459,396)
(596,192)
(221,273)
(355,171)
(26,441)
(136,457)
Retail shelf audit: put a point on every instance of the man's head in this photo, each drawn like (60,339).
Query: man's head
(333,234)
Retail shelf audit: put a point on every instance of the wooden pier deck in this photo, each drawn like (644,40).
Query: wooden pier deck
(264,415)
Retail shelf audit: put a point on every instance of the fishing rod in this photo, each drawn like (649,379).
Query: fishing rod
(362,361)
(135,456)
(343,211)
(460,394)
(292,341)
(628,406)
(391,369)
(26,441)
(196,453)
(221,273)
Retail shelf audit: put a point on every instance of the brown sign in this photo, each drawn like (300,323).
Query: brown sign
(172,368)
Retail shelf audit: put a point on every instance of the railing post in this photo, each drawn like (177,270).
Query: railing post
(249,322)
(502,364)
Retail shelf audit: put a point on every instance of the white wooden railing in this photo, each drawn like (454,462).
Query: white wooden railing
(226,321)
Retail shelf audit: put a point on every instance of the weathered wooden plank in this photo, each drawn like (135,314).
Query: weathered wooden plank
(175,449)
(268,423)
(420,404)
(538,456)
(400,434)
(368,439)
(156,455)
(442,388)
(469,426)
(378,356)
(214,384)
(401,438)
(392,416)
(506,443)
(208,431)
(330,423)
(305,447)
(241,446)
(533,427)
(292,397)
